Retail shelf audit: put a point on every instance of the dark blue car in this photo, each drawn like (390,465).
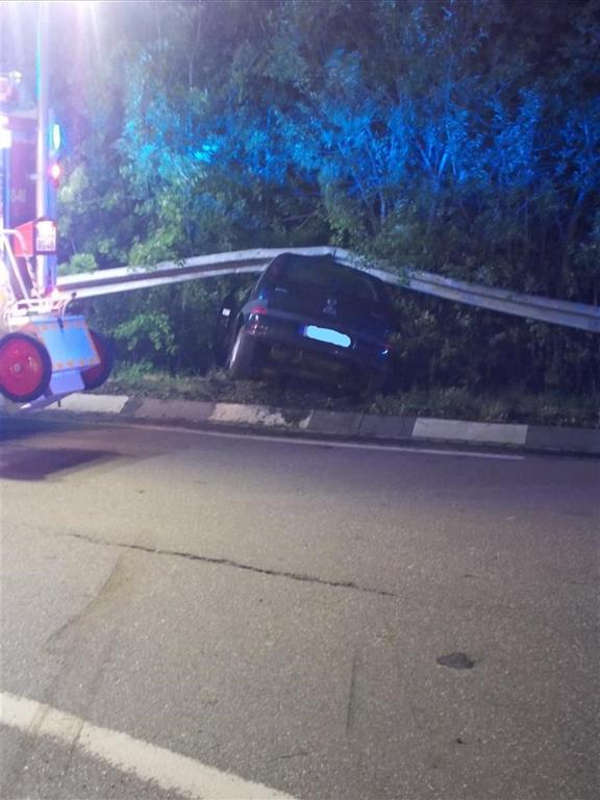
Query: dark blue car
(310,316)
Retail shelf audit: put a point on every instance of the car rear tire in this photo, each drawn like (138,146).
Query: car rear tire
(241,363)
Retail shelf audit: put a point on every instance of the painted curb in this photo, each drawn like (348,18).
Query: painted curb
(91,404)
(461,431)
(190,410)
(336,423)
(374,426)
(239,414)
(581,440)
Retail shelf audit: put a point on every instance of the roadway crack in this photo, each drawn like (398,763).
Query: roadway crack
(297,754)
(228,562)
(351,707)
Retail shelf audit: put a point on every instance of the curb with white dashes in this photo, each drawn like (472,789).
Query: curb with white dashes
(334,423)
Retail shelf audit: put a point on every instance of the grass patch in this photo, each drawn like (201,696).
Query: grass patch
(511,406)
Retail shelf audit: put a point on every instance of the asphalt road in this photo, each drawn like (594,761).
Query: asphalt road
(330,622)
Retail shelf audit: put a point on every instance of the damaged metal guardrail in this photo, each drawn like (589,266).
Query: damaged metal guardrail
(558,312)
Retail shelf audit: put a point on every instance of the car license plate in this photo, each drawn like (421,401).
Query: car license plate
(327,335)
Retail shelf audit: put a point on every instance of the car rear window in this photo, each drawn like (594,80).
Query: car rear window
(324,274)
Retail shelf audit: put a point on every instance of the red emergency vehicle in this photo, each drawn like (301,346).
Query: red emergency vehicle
(45,353)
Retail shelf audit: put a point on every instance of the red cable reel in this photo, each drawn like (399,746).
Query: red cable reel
(95,376)
(25,368)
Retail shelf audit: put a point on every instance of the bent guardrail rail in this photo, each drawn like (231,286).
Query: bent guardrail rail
(558,312)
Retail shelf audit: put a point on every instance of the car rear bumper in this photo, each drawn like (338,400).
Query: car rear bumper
(290,344)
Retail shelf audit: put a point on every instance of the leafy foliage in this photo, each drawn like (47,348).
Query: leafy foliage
(461,137)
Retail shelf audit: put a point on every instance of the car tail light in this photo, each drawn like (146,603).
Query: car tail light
(258,309)
(254,316)
(387,346)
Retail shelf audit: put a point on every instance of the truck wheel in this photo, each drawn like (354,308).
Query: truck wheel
(25,368)
(95,376)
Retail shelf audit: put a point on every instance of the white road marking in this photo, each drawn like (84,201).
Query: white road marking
(307,442)
(171,771)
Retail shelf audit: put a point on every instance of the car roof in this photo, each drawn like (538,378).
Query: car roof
(285,264)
